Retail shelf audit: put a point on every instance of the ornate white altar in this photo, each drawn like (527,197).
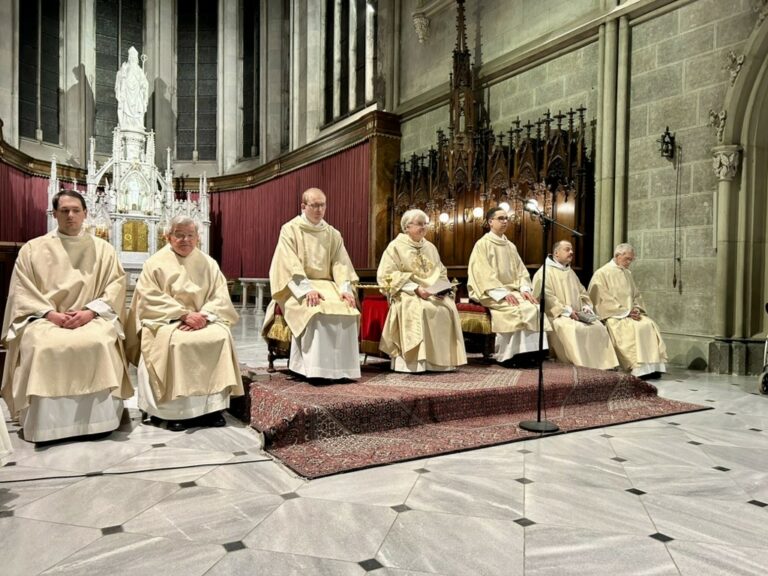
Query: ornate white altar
(132,210)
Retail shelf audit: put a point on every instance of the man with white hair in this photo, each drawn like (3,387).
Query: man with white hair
(578,336)
(618,303)
(422,331)
(181,313)
(311,278)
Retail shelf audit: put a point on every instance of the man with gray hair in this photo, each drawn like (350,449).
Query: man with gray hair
(618,303)
(181,314)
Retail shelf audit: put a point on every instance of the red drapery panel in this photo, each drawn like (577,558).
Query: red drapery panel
(245,223)
(23,202)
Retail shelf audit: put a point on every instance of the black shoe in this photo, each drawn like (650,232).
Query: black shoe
(216,420)
(177,425)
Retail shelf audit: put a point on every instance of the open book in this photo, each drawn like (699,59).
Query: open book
(440,288)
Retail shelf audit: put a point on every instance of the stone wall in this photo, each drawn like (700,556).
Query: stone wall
(677,76)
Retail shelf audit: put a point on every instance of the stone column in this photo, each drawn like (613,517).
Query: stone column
(272,65)
(353,48)
(160,48)
(725,162)
(370,56)
(606,182)
(336,59)
(622,142)
(229,110)
(9,63)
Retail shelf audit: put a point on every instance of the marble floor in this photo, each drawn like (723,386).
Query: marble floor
(683,495)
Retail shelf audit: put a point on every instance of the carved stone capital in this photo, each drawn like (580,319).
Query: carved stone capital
(725,161)
(421,25)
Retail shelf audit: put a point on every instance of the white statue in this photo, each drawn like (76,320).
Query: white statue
(132,93)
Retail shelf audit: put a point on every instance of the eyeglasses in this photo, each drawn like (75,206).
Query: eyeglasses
(418,224)
(501,218)
(180,236)
(315,206)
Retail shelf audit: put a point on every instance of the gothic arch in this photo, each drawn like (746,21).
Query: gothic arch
(742,240)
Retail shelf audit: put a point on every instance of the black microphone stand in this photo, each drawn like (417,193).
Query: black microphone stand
(539,425)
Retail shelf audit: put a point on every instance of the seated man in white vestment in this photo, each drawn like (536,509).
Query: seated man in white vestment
(422,331)
(311,278)
(498,279)
(618,302)
(578,336)
(181,312)
(66,372)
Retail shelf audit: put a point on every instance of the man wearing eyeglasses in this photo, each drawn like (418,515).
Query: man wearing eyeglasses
(498,279)
(619,304)
(181,315)
(311,278)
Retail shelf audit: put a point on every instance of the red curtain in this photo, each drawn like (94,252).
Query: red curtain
(23,202)
(245,223)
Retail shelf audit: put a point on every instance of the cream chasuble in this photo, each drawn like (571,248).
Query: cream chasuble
(184,363)
(494,263)
(65,273)
(5,442)
(316,253)
(573,341)
(419,330)
(638,343)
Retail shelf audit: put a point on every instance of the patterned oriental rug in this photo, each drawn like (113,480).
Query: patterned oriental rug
(318,430)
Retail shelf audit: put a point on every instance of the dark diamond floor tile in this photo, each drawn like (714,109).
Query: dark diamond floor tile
(619,459)
(290,496)
(636,492)
(422,470)
(401,508)
(661,537)
(757,503)
(722,468)
(524,480)
(525,522)
(106,531)
(370,565)
(524,451)
(234,546)
(187,484)
(159,445)
(695,443)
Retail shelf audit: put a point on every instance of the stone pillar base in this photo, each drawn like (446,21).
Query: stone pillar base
(743,357)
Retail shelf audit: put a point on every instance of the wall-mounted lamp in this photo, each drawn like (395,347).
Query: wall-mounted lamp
(667,144)
(470,215)
(504,206)
(444,218)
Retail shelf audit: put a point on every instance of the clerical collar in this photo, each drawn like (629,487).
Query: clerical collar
(555,264)
(411,242)
(613,262)
(308,223)
(61,234)
(496,238)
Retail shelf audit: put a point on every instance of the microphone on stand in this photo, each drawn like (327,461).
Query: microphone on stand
(532,206)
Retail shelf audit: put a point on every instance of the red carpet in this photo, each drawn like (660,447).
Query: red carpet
(385,417)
